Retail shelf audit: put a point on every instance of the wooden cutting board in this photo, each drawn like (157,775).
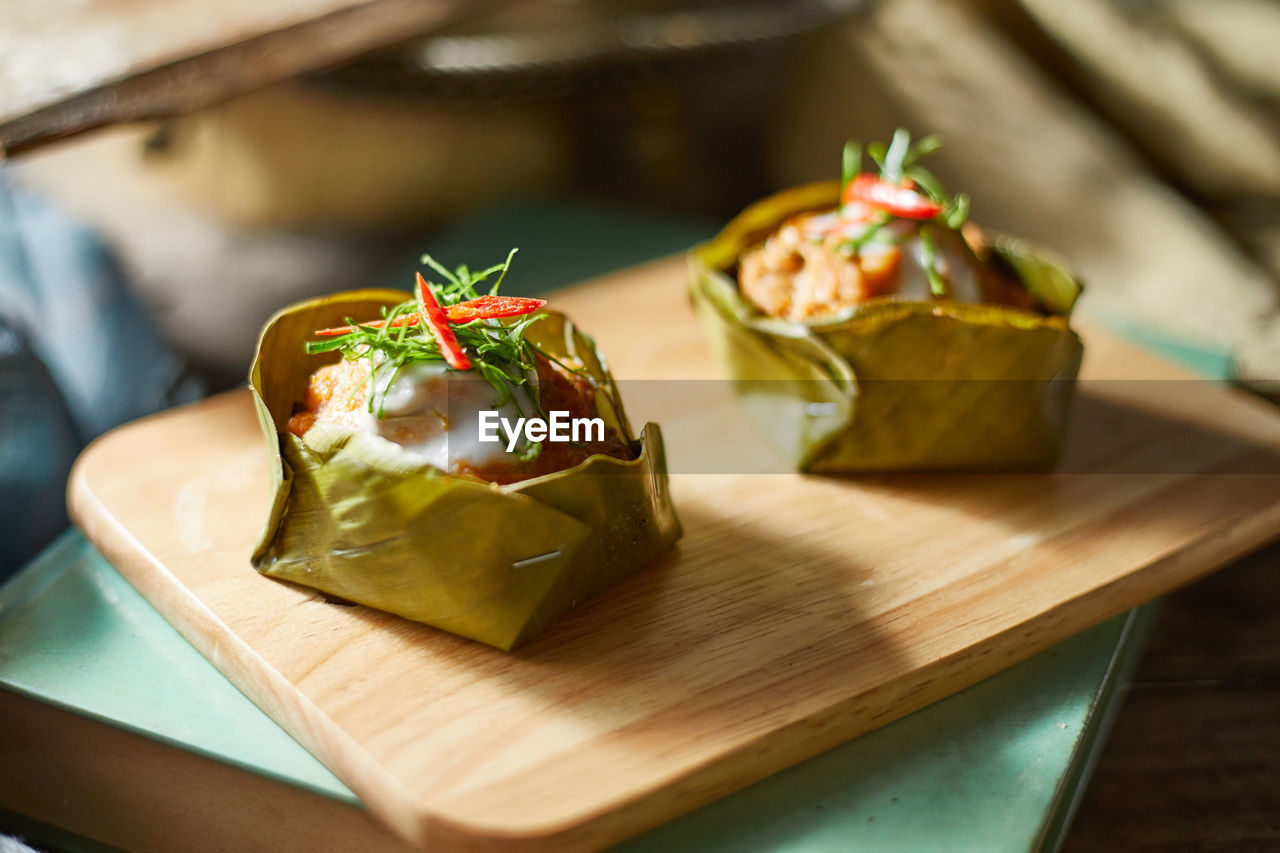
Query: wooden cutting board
(796,613)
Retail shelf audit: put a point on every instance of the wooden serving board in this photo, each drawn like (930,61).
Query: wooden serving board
(796,613)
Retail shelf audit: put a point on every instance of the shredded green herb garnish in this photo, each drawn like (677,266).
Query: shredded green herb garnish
(850,164)
(901,159)
(871,234)
(497,349)
(929,259)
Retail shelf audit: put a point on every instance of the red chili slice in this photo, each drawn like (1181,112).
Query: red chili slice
(433,315)
(481,308)
(402,320)
(492,308)
(900,200)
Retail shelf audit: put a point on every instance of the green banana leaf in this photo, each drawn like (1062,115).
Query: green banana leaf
(895,385)
(351,516)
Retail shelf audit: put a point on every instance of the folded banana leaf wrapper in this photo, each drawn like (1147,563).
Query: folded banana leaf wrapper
(353,516)
(895,385)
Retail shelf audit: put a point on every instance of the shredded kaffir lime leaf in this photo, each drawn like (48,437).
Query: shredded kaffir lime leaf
(900,161)
(899,165)
(875,232)
(497,349)
(929,259)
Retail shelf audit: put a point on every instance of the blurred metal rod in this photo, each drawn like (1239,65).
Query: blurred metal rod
(37,105)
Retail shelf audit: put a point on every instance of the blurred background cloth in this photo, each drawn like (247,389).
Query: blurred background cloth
(78,356)
(1139,139)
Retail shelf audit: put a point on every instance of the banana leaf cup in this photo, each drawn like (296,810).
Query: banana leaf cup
(894,385)
(354,517)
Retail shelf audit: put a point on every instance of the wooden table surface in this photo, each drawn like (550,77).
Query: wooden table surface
(1194,760)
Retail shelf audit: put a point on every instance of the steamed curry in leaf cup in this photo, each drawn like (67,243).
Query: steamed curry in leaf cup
(456,457)
(868,326)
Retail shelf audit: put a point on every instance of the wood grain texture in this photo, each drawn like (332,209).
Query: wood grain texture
(796,613)
(67,67)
